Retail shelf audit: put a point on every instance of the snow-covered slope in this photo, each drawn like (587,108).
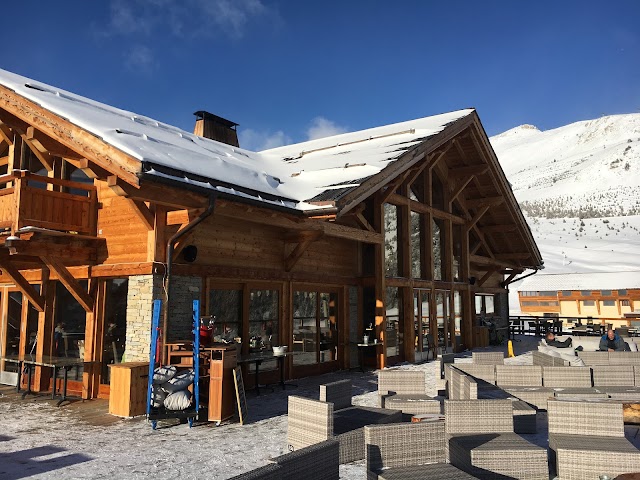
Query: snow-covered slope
(588,169)
(579,188)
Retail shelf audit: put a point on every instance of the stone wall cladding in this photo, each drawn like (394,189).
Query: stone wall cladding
(142,291)
(184,290)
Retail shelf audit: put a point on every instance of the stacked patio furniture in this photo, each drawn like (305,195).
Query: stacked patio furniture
(406,391)
(481,441)
(408,451)
(313,421)
(488,358)
(315,462)
(586,440)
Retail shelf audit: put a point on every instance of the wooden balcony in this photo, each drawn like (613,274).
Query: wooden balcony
(29,200)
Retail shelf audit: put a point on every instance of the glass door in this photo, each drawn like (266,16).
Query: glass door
(315,327)
(422,332)
(446,335)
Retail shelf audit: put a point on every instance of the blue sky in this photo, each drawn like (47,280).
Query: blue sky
(291,70)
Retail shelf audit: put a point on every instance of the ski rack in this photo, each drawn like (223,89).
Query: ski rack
(191,413)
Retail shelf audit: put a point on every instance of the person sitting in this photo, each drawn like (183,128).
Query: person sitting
(612,342)
(552,342)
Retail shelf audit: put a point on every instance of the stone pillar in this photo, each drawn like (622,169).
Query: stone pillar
(501,307)
(143,290)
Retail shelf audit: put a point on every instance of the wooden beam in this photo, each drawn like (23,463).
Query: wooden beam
(477,217)
(294,223)
(474,170)
(423,208)
(47,144)
(6,134)
(90,169)
(481,202)
(142,211)
(486,261)
(499,228)
(363,222)
(44,157)
(392,187)
(296,254)
(513,256)
(70,283)
(486,276)
(156,193)
(63,247)
(179,217)
(70,135)
(458,190)
(25,287)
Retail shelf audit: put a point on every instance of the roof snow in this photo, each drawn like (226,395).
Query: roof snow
(582,281)
(286,176)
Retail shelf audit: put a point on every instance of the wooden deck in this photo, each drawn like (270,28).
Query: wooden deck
(91,412)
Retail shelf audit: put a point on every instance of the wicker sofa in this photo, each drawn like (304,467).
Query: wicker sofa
(408,451)
(581,449)
(315,462)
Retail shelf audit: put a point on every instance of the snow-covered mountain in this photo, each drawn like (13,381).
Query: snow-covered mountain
(579,188)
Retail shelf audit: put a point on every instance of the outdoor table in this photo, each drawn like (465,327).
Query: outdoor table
(29,361)
(361,349)
(258,358)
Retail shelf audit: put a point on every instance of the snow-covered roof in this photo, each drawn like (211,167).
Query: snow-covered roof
(582,281)
(287,176)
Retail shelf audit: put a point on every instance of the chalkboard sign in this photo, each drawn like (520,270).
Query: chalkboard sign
(240,397)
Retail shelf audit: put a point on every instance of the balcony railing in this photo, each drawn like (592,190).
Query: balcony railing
(37,201)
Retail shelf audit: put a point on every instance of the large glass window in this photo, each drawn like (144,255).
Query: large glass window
(304,327)
(457,318)
(437,245)
(70,323)
(315,327)
(394,331)
(225,305)
(115,325)
(391,240)
(328,327)
(421,321)
(263,323)
(457,253)
(416,245)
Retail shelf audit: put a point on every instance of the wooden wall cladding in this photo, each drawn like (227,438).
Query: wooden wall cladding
(125,233)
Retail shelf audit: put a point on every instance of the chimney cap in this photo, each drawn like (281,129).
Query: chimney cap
(203,114)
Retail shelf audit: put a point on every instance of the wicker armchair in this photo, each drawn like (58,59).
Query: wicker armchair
(488,358)
(316,462)
(586,439)
(408,451)
(481,441)
(312,421)
(405,390)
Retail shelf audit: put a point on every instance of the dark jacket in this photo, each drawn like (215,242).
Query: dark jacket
(617,340)
(559,344)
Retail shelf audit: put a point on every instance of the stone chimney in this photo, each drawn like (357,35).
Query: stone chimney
(216,128)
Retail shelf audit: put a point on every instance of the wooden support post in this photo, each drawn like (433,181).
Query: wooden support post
(42,378)
(71,284)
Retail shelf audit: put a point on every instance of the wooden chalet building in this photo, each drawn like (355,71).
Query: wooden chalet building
(405,231)
(599,295)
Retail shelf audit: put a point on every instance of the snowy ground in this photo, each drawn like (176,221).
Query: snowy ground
(40,441)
